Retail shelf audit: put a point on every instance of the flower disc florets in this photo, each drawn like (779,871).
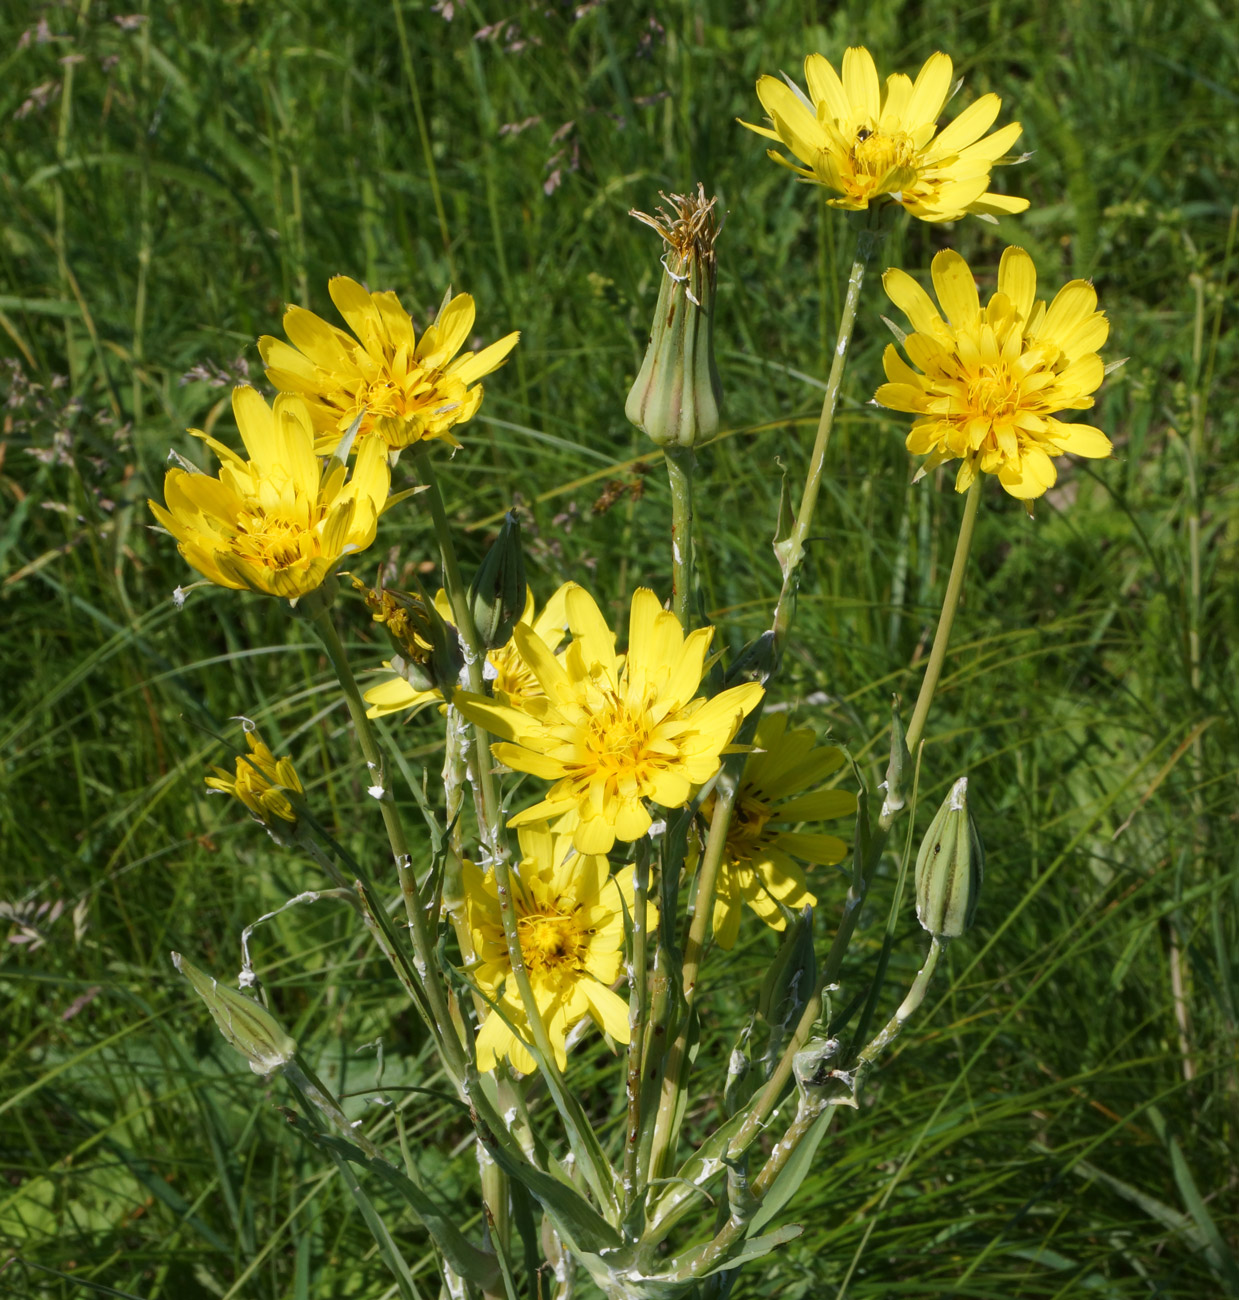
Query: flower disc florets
(869,146)
(405,389)
(613,732)
(991,379)
(273,523)
(570,921)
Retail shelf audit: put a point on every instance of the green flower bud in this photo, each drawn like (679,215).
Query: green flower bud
(246,1024)
(677,394)
(900,765)
(497,596)
(949,868)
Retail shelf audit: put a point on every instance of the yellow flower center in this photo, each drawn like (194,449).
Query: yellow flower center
(882,162)
(272,541)
(748,821)
(994,393)
(552,942)
(616,738)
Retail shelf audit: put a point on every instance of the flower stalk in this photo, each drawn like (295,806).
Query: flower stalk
(790,549)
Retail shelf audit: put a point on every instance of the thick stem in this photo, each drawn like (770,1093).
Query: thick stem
(680,464)
(638,1007)
(423,945)
(950,603)
(490,827)
(675,1074)
(792,552)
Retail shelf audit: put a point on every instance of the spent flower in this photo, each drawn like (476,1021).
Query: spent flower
(405,389)
(763,851)
(260,781)
(570,919)
(872,146)
(989,380)
(277,523)
(512,680)
(613,731)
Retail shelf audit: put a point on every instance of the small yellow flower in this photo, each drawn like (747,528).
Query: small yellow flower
(992,378)
(570,919)
(406,389)
(611,731)
(758,865)
(870,147)
(273,523)
(513,680)
(260,781)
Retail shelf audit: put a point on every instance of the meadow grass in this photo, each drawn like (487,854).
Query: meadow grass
(1061,1118)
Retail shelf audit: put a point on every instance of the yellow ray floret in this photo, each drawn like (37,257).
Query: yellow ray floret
(260,781)
(871,145)
(275,523)
(405,389)
(570,919)
(513,680)
(612,732)
(759,865)
(989,380)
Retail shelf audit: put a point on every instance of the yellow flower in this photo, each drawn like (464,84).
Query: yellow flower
(570,919)
(406,389)
(513,680)
(758,864)
(612,732)
(992,378)
(869,147)
(273,523)
(260,781)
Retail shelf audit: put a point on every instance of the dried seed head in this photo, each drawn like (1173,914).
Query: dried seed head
(677,393)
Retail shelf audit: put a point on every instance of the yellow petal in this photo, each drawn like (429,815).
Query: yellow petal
(826,88)
(860,83)
(933,84)
(956,289)
(1017,279)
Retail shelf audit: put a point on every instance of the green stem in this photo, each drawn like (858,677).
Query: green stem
(792,548)
(680,464)
(423,947)
(906,1009)
(766,1100)
(950,603)
(674,1077)
(638,1008)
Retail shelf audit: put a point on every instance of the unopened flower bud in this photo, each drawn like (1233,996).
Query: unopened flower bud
(246,1024)
(498,594)
(260,782)
(950,868)
(900,765)
(677,394)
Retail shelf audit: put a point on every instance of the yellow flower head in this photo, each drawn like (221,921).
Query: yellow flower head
(869,146)
(512,679)
(570,918)
(990,379)
(612,732)
(260,781)
(273,523)
(758,865)
(406,389)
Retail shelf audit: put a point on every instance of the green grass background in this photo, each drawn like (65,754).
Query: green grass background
(1060,1120)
